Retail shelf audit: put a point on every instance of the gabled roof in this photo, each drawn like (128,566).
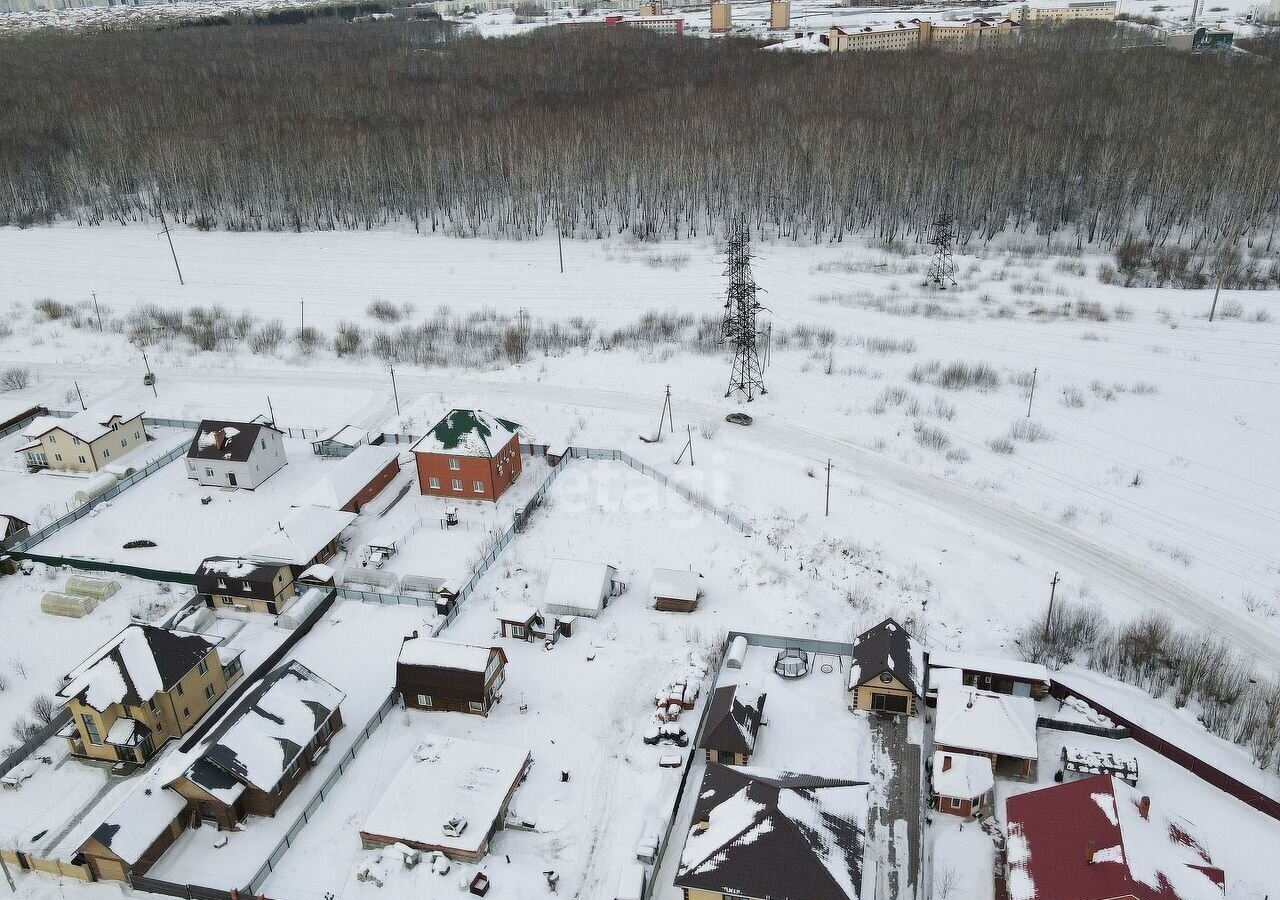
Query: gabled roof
(1015,669)
(347,436)
(347,477)
(269,728)
(578,585)
(732,725)
(139,820)
(433,652)
(986,722)
(1151,857)
(300,535)
(226,441)
(674,584)
(246,569)
(888,648)
(467,432)
(775,835)
(11,524)
(135,665)
(88,425)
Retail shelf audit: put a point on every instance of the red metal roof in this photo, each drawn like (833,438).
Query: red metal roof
(1152,857)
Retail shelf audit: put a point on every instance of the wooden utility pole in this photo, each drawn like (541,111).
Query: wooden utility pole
(7,877)
(1033,391)
(1053,590)
(688,445)
(667,415)
(559,245)
(394,392)
(172,252)
(828,510)
(303,304)
(1216,291)
(97,312)
(80,395)
(271,409)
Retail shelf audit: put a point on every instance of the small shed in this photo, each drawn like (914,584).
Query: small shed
(524,623)
(1099,762)
(355,480)
(990,673)
(675,590)
(341,443)
(577,588)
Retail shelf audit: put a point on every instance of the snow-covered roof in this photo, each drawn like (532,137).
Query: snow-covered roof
(319,572)
(888,647)
(135,665)
(347,436)
(1141,849)
(228,441)
(519,612)
(991,665)
(300,535)
(134,825)
(272,724)
(986,722)
(960,775)
(732,721)
(122,730)
(88,425)
(763,833)
(467,432)
(238,567)
(348,476)
(447,777)
(674,584)
(429,651)
(575,587)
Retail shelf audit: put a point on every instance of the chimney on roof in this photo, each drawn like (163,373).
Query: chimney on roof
(414,636)
(219,439)
(1144,807)
(1089,851)
(946,763)
(700,827)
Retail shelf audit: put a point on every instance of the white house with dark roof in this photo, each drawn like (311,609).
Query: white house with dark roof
(87,442)
(235,454)
(257,752)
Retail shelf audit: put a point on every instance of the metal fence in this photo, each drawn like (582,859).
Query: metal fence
(20,424)
(731,519)
(32,744)
(1117,734)
(173,889)
(1193,764)
(273,859)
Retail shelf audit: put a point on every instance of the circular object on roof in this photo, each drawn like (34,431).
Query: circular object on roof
(792,663)
(826,668)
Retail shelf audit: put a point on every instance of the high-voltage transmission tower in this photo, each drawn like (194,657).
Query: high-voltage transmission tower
(740,310)
(942,270)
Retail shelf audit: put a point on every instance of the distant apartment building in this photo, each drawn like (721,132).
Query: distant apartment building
(971,34)
(779,15)
(1059,14)
(1264,13)
(721,17)
(659,23)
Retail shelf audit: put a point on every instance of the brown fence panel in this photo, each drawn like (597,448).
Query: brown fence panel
(1246,794)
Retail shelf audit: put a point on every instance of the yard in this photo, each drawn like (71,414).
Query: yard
(167,508)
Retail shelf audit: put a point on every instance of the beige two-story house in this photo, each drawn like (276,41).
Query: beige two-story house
(87,442)
(144,687)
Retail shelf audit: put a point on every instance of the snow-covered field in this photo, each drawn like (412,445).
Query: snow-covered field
(1151,485)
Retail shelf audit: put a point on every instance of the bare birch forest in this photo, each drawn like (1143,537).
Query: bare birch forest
(333,125)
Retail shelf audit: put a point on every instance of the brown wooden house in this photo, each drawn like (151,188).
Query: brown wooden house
(258,752)
(524,623)
(888,670)
(442,675)
(136,834)
(246,584)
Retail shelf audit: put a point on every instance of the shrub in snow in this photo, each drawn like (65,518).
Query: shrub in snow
(15,378)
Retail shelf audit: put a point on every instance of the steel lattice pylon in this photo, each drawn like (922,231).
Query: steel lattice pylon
(943,268)
(740,309)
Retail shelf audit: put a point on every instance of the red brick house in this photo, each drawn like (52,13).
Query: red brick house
(468,455)
(1100,837)
(962,784)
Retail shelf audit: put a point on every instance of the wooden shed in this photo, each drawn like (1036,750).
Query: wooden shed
(675,590)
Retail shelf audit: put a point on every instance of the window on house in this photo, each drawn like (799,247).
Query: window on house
(186,712)
(91,730)
(203,667)
(517,631)
(222,584)
(124,442)
(82,459)
(478,487)
(457,484)
(886,677)
(454,465)
(424,701)
(53,439)
(209,692)
(137,435)
(955,802)
(226,601)
(264,443)
(180,690)
(208,471)
(105,453)
(475,706)
(434,483)
(246,587)
(58,457)
(155,707)
(115,426)
(76,441)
